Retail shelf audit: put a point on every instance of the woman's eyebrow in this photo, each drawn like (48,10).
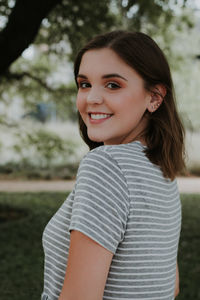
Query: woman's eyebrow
(82,76)
(104,76)
(114,75)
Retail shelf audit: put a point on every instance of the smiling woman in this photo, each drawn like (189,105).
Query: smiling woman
(121,96)
(117,234)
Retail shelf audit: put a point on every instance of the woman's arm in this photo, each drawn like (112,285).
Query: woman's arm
(176,292)
(87,269)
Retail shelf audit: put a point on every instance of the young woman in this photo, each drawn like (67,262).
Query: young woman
(116,236)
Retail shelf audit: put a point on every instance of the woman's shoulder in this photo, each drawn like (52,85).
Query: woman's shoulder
(126,157)
(113,158)
(100,166)
(134,145)
(119,152)
(99,157)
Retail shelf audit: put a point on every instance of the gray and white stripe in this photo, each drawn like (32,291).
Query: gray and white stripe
(122,201)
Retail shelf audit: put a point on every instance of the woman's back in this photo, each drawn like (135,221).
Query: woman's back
(122,201)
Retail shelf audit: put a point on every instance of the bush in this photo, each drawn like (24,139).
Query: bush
(41,154)
(43,148)
(25,170)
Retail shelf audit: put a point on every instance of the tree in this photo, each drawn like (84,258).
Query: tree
(71,18)
(55,29)
(55,24)
(74,21)
(23,24)
(60,24)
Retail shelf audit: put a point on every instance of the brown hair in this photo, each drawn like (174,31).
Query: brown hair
(164,134)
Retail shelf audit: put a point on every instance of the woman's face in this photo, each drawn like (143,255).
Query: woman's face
(111,98)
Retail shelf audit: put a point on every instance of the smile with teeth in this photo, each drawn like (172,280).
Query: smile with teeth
(100,116)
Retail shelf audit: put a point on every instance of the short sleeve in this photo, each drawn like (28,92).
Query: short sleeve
(101,201)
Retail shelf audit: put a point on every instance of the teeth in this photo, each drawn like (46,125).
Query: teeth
(99,116)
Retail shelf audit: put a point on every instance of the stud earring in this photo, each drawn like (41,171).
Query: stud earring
(156,106)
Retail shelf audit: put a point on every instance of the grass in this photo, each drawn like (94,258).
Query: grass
(21,253)
(189,248)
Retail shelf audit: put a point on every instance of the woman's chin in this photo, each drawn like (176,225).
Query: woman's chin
(95,139)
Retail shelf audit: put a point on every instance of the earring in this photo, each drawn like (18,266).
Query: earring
(155,106)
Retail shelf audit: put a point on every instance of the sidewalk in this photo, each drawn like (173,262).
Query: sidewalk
(186,185)
(189,185)
(36,185)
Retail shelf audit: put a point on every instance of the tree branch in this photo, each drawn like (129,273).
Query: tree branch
(21,29)
(19,76)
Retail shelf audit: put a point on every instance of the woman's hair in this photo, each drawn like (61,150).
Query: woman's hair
(164,134)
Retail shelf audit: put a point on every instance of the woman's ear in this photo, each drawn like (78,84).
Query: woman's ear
(157,95)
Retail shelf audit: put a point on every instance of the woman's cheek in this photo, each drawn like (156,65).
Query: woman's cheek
(81,108)
(79,103)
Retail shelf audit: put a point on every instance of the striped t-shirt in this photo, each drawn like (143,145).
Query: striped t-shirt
(122,201)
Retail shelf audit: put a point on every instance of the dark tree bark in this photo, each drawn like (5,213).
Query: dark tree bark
(21,29)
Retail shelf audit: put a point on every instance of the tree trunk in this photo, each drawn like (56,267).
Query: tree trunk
(21,29)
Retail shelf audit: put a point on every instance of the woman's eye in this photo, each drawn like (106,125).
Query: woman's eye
(84,85)
(113,85)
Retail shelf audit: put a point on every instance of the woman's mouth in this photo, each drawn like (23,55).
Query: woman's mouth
(96,118)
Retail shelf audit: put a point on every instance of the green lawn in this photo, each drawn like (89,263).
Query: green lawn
(21,254)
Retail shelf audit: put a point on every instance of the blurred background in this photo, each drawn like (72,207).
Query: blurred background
(38,42)
(39,137)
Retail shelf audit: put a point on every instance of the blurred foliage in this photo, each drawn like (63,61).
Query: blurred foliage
(41,154)
(75,22)
(43,148)
(24,169)
(43,74)
(68,26)
(5,10)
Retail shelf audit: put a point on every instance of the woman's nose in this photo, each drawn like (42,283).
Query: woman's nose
(94,96)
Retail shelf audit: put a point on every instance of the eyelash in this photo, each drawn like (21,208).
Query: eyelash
(80,85)
(114,85)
